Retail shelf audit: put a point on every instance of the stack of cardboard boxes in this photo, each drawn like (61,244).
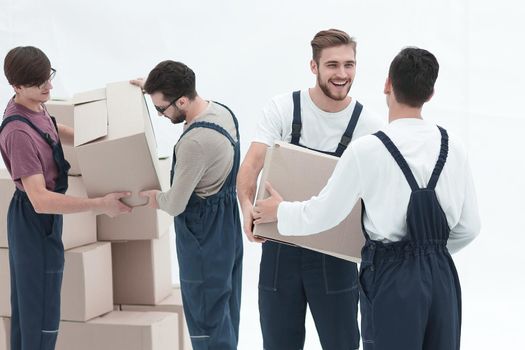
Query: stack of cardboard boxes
(117,291)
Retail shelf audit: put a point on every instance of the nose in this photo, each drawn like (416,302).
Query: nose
(49,85)
(341,72)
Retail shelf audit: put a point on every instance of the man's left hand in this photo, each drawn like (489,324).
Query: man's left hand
(265,210)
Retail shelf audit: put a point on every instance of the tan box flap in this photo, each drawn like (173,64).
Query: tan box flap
(125,106)
(89,96)
(91,122)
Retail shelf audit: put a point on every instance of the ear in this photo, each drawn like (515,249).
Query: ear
(17,89)
(182,102)
(313,67)
(388,86)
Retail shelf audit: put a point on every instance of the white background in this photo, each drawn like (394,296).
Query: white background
(244,52)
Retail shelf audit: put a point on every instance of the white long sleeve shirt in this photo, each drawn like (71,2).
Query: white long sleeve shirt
(368,171)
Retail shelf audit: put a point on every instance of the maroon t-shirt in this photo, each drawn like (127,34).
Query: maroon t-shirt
(24,151)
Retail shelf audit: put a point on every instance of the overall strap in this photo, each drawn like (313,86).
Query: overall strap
(297,124)
(443,153)
(212,126)
(349,132)
(234,119)
(394,151)
(13,118)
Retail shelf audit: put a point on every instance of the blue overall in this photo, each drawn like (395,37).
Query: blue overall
(292,277)
(36,260)
(209,251)
(411,297)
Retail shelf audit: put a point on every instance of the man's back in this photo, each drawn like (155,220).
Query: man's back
(385,190)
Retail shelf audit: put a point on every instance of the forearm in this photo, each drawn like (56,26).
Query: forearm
(66,134)
(247,186)
(248,173)
(172,203)
(48,202)
(457,242)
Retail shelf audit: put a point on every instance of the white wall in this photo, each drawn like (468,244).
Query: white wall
(244,52)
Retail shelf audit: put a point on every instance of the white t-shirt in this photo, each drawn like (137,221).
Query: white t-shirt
(368,171)
(321,130)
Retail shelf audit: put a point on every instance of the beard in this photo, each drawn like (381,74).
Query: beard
(179,118)
(328,93)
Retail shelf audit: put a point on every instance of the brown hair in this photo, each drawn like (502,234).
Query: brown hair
(173,79)
(330,38)
(26,66)
(413,73)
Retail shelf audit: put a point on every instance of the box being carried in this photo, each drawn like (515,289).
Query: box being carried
(116,150)
(114,142)
(298,174)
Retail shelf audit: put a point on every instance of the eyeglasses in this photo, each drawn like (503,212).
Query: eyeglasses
(51,77)
(161,110)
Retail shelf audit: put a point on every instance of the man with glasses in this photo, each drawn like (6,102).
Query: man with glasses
(30,144)
(202,198)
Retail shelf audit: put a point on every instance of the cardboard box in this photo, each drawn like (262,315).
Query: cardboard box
(141,224)
(121,330)
(5,284)
(5,333)
(63,111)
(173,303)
(87,287)
(115,143)
(298,174)
(7,188)
(141,271)
(78,229)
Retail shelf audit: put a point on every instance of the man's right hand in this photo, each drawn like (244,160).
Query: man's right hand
(247,215)
(138,82)
(112,206)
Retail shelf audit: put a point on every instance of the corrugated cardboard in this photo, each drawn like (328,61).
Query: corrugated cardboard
(5,330)
(78,229)
(7,188)
(173,303)
(62,110)
(143,223)
(5,284)
(141,271)
(298,174)
(87,287)
(121,330)
(115,143)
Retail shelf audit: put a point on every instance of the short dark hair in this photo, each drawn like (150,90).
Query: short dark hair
(330,38)
(173,79)
(413,73)
(26,66)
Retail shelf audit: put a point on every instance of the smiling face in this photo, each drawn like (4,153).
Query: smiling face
(335,71)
